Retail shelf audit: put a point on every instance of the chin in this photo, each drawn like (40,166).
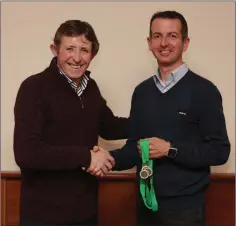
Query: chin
(165,62)
(75,76)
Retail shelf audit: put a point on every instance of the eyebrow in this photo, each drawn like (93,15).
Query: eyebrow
(71,46)
(83,46)
(159,33)
(87,43)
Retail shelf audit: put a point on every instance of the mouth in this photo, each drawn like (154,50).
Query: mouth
(75,66)
(165,52)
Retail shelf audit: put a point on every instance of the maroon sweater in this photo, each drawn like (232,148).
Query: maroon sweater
(53,136)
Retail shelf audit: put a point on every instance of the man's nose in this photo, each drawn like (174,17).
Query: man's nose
(164,42)
(77,56)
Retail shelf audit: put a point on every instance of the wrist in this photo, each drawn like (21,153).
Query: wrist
(167,148)
(172,151)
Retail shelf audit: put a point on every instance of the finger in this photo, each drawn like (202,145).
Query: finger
(95,149)
(95,169)
(104,169)
(90,171)
(113,162)
(152,140)
(153,152)
(91,168)
(151,147)
(108,165)
(155,155)
(110,158)
(99,173)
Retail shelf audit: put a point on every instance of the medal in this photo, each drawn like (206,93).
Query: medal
(146,178)
(148,169)
(145,172)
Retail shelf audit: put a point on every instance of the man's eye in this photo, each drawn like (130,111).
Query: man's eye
(84,50)
(69,49)
(156,36)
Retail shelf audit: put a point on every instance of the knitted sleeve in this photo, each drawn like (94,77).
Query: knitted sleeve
(215,146)
(111,127)
(128,156)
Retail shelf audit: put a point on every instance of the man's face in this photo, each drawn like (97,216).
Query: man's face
(73,56)
(166,42)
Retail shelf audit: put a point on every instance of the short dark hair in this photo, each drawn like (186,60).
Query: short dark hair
(171,15)
(73,28)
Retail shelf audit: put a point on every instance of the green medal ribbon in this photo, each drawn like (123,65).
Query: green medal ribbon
(146,178)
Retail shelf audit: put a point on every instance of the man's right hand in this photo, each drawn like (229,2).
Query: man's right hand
(101,162)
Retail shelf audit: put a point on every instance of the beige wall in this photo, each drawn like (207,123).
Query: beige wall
(123,60)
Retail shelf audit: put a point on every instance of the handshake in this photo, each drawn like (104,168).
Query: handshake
(101,162)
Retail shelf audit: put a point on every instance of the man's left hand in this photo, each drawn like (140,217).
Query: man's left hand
(158,148)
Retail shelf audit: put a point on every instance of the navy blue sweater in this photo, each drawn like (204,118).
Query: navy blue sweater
(190,116)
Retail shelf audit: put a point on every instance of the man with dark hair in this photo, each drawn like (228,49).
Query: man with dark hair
(59,114)
(177,120)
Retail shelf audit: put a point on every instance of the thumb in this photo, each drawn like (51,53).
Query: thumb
(95,149)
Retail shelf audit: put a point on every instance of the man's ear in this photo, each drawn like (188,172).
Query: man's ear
(186,43)
(54,49)
(93,56)
(149,42)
